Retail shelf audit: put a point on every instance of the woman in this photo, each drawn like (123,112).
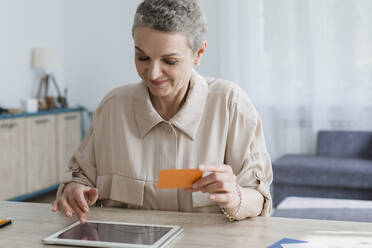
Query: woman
(174,118)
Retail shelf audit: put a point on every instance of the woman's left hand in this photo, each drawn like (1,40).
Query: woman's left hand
(220,184)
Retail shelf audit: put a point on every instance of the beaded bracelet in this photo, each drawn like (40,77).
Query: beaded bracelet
(235,215)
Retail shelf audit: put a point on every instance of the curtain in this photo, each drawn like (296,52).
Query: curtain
(305,64)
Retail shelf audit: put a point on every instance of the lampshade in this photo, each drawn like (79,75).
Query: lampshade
(44,58)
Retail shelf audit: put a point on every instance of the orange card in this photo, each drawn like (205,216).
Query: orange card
(178,178)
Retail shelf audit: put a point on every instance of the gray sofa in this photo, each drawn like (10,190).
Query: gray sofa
(341,168)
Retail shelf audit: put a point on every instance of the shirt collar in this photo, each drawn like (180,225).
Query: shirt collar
(187,118)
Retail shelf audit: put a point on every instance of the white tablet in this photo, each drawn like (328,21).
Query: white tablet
(114,234)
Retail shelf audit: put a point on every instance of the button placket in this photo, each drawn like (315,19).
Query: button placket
(168,198)
(175,155)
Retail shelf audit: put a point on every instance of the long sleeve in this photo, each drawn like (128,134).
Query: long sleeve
(82,168)
(246,150)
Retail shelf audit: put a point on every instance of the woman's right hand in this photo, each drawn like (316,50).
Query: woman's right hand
(76,198)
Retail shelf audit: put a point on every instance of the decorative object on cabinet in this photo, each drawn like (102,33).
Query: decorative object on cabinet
(45,59)
(30,105)
(9,111)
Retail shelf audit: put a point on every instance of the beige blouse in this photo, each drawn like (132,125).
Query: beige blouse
(128,144)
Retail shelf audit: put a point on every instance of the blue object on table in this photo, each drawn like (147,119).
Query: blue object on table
(285,241)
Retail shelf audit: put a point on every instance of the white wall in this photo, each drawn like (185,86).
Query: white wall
(25,24)
(99,50)
(94,40)
(99,54)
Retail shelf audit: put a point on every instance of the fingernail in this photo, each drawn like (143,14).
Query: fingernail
(86,209)
(195,185)
(213,197)
(68,213)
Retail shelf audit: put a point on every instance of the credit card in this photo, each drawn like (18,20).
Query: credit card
(178,178)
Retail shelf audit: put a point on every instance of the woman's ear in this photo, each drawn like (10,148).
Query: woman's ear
(199,53)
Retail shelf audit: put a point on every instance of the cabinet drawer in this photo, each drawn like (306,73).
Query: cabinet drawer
(12,158)
(41,145)
(68,129)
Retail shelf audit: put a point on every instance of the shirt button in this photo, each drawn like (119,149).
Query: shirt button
(169,129)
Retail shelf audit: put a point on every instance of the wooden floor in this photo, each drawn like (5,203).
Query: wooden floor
(46,198)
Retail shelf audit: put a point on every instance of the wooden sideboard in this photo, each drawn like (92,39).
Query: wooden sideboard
(35,149)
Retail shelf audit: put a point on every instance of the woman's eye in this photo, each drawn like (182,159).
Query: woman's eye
(170,62)
(143,58)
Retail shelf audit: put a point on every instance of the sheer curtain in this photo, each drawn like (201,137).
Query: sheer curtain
(305,64)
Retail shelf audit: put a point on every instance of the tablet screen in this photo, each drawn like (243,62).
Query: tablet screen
(121,233)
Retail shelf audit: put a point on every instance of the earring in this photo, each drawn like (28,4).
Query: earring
(197,63)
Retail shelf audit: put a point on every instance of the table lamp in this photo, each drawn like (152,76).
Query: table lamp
(45,59)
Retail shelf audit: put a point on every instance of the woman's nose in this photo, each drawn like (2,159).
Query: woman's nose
(154,71)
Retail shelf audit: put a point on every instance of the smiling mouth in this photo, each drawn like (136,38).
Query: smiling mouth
(157,83)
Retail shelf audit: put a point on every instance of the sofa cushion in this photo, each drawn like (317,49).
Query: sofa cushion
(344,144)
(311,170)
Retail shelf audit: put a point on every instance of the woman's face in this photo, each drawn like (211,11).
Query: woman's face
(164,60)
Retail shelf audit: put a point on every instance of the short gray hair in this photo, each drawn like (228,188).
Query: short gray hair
(173,16)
